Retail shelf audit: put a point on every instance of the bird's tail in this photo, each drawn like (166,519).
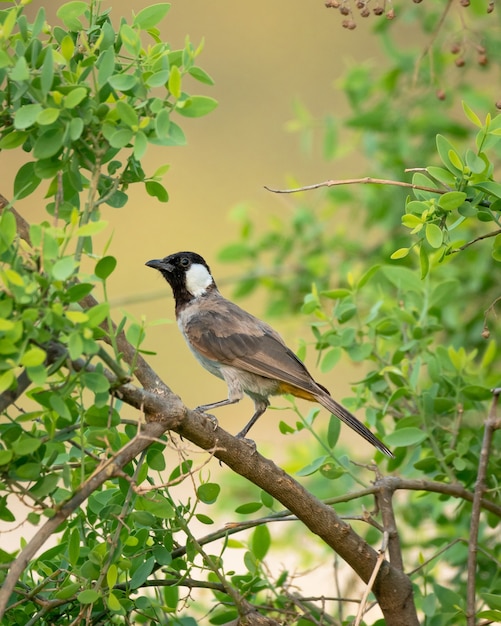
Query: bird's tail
(345,416)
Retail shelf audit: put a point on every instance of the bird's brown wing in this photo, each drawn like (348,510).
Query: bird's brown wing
(231,336)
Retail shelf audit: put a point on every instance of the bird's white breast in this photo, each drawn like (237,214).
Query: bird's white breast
(198,279)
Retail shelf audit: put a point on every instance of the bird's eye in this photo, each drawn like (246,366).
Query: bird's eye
(185,261)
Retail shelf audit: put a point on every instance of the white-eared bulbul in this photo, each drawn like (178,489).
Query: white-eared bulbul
(239,348)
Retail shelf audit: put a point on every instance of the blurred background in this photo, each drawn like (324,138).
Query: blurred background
(263,57)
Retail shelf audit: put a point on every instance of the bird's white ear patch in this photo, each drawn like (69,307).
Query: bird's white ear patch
(198,279)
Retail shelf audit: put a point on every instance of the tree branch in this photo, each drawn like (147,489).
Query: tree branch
(367,180)
(491,424)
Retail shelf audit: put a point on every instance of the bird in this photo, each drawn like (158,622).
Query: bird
(244,351)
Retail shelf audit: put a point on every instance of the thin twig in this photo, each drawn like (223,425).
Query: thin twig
(367,180)
(494,233)
(491,424)
(368,589)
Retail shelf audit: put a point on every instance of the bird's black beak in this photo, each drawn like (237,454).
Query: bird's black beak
(160,264)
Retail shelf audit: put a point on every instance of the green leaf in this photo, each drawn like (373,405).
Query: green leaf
(49,143)
(6,456)
(89,596)
(197,106)
(174,82)
(312,467)
(445,148)
(400,253)
(13,139)
(96,382)
(335,294)
(74,546)
(91,228)
(47,73)
(105,267)
(157,190)
(20,71)
(69,13)
(208,492)
(123,82)
(451,200)
(201,75)
(67,48)
(473,117)
(130,39)
(26,181)
(48,116)
(162,124)
(121,138)
(434,235)
(141,573)
(74,98)
(64,268)
(151,16)
(27,115)
(409,436)
(33,356)
(249,507)
(330,359)
(26,445)
(260,541)
(127,114)
(106,66)
(333,431)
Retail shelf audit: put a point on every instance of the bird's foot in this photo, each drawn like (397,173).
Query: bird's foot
(250,442)
(212,418)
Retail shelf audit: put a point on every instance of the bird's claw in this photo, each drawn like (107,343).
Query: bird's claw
(212,418)
(249,442)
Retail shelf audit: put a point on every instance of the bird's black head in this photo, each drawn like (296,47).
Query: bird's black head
(186,272)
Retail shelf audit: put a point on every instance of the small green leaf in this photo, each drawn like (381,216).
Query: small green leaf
(260,542)
(91,228)
(33,357)
(6,456)
(150,16)
(74,98)
(13,139)
(400,253)
(69,13)
(451,200)
(333,431)
(405,437)
(48,116)
(27,115)
(127,114)
(473,117)
(130,39)
(64,268)
(157,190)
(197,106)
(89,596)
(208,492)
(105,267)
(249,507)
(201,75)
(123,82)
(26,445)
(434,235)
(312,467)
(141,574)
(174,82)
(49,143)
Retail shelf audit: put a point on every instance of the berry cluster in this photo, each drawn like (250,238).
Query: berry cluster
(345,9)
